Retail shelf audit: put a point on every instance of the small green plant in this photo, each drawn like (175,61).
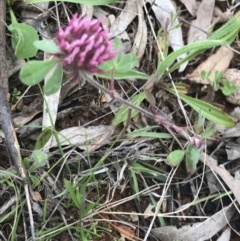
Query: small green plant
(16,95)
(219,82)
(193,150)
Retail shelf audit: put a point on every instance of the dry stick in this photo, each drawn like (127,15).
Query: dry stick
(3,62)
(6,119)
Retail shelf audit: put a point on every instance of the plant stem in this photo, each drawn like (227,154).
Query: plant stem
(196,141)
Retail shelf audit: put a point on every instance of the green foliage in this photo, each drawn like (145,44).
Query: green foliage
(228,88)
(192,158)
(224,35)
(209,131)
(123,112)
(193,49)
(148,170)
(23,36)
(75,194)
(209,111)
(131,74)
(78,196)
(134,181)
(40,159)
(175,158)
(48,46)
(173,19)
(192,153)
(54,80)
(43,138)
(198,127)
(15,96)
(121,67)
(143,132)
(219,82)
(33,72)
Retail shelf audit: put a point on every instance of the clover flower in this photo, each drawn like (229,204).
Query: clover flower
(84,45)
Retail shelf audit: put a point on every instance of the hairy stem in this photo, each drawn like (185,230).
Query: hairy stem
(196,141)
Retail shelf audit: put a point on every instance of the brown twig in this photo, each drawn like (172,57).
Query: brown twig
(3,63)
(6,119)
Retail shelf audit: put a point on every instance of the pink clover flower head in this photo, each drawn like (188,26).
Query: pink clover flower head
(84,44)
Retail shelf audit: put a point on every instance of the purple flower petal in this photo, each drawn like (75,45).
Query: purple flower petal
(84,45)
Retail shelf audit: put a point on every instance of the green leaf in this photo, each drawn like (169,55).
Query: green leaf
(148,171)
(209,131)
(48,46)
(40,159)
(140,133)
(228,88)
(175,158)
(35,71)
(218,76)
(192,158)
(203,74)
(134,182)
(72,193)
(23,36)
(192,49)
(122,113)
(43,138)
(107,66)
(225,34)
(198,127)
(87,2)
(126,63)
(54,81)
(209,111)
(118,46)
(229,30)
(34,180)
(131,74)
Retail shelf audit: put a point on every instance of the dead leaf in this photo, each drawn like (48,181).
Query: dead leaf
(216,62)
(198,231)
(140,41)
(134,217)
(201,26)
(37,208)
(36,196)
(25,116)
(34,15)
(233,76)
(232,132)
(125,231)
(226,235)
(87,10)
(125,18)
(232,182)
(212,182)
(148,211)
(191,6)
(233,151)
(101,15)
(165,12)
(221,17)
(89,139)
